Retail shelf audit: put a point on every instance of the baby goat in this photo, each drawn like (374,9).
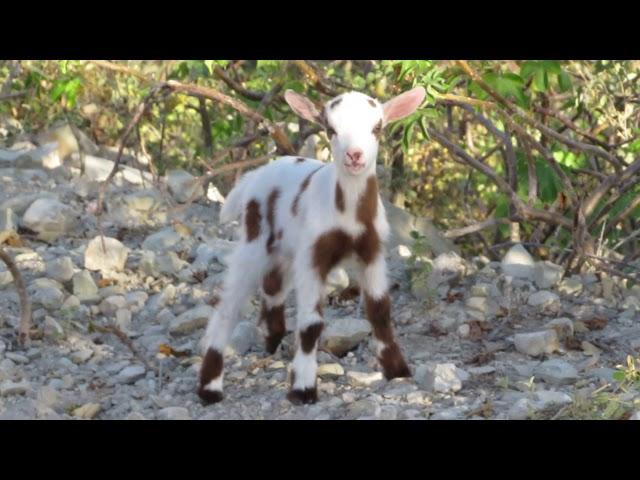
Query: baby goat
(301,218)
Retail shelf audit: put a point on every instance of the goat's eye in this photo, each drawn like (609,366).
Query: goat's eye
(330,131)
(377,130)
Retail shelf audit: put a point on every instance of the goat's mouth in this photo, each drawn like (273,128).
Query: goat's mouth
(354,167)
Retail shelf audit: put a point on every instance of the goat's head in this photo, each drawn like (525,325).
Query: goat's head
(354,122)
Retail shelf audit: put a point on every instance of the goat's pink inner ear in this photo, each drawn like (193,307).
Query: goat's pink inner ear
(404,104)
(302,106)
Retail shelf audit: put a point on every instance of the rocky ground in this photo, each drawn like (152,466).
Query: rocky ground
(500,340)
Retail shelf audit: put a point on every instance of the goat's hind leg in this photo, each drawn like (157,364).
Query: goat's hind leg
(246,268)
(276,285)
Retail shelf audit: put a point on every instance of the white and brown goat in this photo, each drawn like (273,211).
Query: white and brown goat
(300,219)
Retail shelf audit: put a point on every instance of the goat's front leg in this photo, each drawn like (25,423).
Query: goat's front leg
(308,329)
(378,310)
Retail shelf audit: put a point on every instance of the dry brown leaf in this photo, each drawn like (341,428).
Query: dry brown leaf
(476,332)
(171,352)
(452,297)
(482,358)
(572,343)
(596,323)
(105,282)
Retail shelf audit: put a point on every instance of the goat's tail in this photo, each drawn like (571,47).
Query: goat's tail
(232,206)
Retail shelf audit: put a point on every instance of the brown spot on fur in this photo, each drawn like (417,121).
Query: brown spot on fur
(252,220)
(339,197)
(272,282)
(379,315)
(280,234)
(309,336)
(303,187)
(210,370)
(274,318)
(271,206)
(300,160)
(335,103)
(329,249)
(377,130)
(368,202)
(372,103)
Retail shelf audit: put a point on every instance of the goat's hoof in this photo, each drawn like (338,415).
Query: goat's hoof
(303,397)
(272,343)
(210,396)
(400,371)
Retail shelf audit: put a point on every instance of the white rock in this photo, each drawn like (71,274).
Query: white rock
(174,413)
(547,274)
(522,409)
(537,343)
(113,259)
(162,240)
(8,220)
(98,169)
(214,194)
(87,411)
(543,299)
(571,285)
(49,218)
(60,269)
(557,372)
(404,251)
(123,319)
(191,320)
(111,304)
(47,293)
(518,263)
(130,374)
(84,288)
(81,356)
(545,398)
(245,335)
(441,377)
(8,387)
(145,207)
(182,185)
(364,379)
(563,327)
(344,334)
(330,370)
(337,280)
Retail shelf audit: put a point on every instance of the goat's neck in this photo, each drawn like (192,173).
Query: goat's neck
(354,186)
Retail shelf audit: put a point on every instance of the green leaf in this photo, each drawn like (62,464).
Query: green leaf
(540,81)
(619,376)
(564,81)
(552,66)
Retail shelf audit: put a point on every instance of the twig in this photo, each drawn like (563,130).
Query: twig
(127,341)
(476,227)
(25,305)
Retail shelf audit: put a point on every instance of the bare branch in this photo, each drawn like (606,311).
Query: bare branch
(25,305)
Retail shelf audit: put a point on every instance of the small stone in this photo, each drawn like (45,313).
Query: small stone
(123,319)
(543,299)
(361,408)
(330,370)
(442,377)
(522,409)
(81,356)
(84,288)
(388,412)
(557,372)
(8,220)
(537,343)
(635,416)
(52,328)
(563,327)
(364,379)
(182,185)
(464,330)
(344,334)
(8,388)
(404,251)
(244,336)
(546,398)
(547,274)
(135,416)
(113,259)
(111,304)
(571,286)
(130,374)
(16,357)
(87,411)
(49,218)
(191,320)
(60,269)
(453,413)
(518,263)
(174,413)
(47,293)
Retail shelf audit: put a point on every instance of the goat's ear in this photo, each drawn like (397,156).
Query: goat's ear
(404,104)
(303,106)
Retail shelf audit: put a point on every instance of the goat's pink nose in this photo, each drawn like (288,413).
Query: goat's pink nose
(355,154)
